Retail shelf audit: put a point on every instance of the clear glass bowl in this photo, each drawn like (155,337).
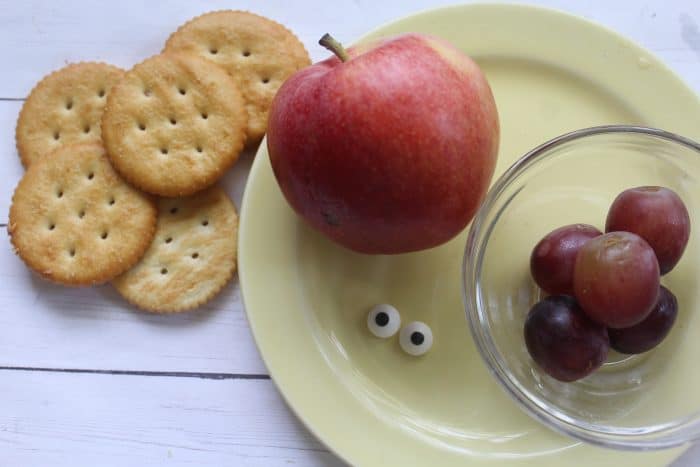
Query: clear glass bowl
(647,401)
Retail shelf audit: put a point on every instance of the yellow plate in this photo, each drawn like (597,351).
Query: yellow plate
(307,299)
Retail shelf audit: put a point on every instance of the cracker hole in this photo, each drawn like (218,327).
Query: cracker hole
(86,129)
(91,175)
(112,201)
(104,235)
(195,255)
(163,271)
(71,252)
(205,222)
(246,53)
(265,80)
(69,104)
(147,92)
(163,150)
(59,194)
(52,226)
(56,135)
(101,93)
(81,214)
(205,115)
(142,126)
(182,91)
(169,239)
(213,50)
(199,149)
(173,210)
(173,121)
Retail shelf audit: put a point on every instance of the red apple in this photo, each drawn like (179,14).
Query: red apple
(387,147)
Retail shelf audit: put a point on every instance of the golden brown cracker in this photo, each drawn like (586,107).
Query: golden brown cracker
(193,254)
(257,52)
(64,108)
(174,124)
(75,221)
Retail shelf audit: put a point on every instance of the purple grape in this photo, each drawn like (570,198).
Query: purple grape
(563,341)
(616,279)
(657,215)
(650,332)
(552,260)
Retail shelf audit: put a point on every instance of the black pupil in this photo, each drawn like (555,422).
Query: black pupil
(417,338)
(382,319)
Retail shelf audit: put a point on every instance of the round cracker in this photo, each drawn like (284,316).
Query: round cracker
(193,254)
(174,124)
(74,221)
(257,52)
(64,108)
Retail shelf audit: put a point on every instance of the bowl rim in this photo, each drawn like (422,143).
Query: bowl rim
(662,436)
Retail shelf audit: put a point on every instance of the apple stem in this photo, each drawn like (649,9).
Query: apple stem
(334,46)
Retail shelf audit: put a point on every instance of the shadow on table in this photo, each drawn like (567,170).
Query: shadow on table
(104,302)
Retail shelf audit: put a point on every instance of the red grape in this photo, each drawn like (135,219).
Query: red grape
(651,331)
(657,215)
(616,279)
(552,260)
(563,341)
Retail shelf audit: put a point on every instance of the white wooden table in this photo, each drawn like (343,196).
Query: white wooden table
(84,379)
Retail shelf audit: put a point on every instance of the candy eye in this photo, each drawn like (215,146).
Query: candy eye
(383,320)
(416,338)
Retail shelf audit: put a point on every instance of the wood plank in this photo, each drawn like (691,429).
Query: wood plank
(40,36)
(46,325)
(63,419)
(99,418)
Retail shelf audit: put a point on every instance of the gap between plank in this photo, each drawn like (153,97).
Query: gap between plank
(163,374)
(12,99)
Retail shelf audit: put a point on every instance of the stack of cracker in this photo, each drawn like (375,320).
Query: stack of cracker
(122,166)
